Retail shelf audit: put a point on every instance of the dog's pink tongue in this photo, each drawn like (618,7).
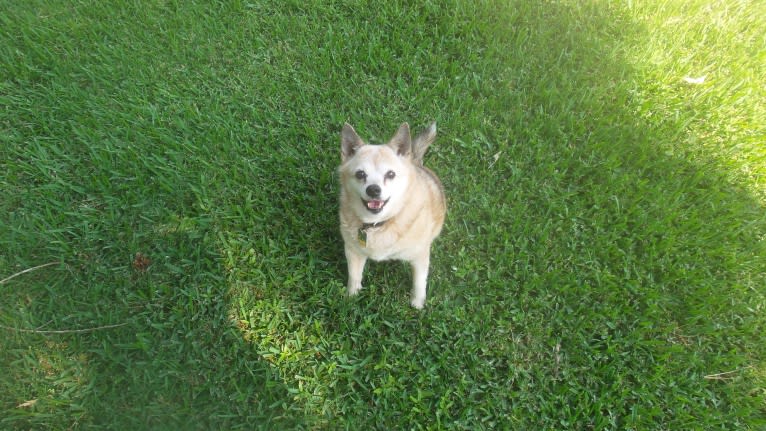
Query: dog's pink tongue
(375,204)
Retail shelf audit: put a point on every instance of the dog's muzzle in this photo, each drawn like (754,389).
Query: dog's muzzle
(375,205)
(373,191)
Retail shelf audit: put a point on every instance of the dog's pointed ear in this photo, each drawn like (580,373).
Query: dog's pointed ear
(402,142)
(349,142)
(422,142)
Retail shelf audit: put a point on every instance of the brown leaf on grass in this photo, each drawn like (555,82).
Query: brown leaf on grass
(141,263)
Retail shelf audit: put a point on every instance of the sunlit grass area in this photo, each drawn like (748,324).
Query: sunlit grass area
(169,247)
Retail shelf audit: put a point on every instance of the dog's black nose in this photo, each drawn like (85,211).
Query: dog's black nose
(373,191)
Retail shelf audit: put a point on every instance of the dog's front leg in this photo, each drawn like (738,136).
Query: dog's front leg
(355,263)
(419,278)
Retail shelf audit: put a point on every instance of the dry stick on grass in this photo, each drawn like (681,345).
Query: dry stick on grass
(28,270)
(63,331)
(725,375)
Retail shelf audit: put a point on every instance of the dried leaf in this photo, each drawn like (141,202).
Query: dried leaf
(495,158)
(695,81)
(27,404)
(141,263)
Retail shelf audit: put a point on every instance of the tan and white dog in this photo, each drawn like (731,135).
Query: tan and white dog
(391,206)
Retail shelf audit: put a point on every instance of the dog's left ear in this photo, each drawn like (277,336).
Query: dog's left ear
(402,142)
(421,143)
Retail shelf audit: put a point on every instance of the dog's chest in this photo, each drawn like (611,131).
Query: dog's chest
(378,243)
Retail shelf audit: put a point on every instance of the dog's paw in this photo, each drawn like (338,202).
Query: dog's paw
(418,303)
(354,289)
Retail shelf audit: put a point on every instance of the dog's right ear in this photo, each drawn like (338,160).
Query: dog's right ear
(349,142)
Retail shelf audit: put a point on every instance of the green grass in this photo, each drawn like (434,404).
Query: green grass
(603,261)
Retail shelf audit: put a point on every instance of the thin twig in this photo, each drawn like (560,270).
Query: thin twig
(42,331)
(39,328)
(63,331)
(724,375)
(28,270)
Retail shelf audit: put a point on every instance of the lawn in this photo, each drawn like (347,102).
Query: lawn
(169,247)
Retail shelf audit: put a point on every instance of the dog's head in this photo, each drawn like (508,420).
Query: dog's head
(377,176)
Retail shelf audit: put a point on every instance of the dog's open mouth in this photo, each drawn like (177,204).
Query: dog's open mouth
(375,205)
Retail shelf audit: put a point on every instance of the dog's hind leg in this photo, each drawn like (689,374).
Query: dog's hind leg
(419,278)
(355,269)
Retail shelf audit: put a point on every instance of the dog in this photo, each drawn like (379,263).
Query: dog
(391,206)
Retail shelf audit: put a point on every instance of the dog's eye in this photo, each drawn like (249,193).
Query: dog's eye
(360,175)
(390,175)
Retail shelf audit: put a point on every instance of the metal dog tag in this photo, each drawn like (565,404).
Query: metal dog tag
(362,237)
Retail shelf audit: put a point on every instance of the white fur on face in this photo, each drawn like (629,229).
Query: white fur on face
(376,161)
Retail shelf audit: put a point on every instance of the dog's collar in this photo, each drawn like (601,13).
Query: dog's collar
(366,226)
(362,233)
